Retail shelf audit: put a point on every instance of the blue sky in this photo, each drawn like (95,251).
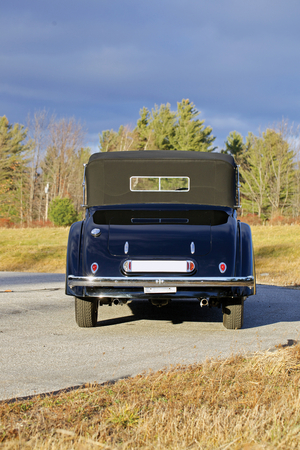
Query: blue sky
(101,61)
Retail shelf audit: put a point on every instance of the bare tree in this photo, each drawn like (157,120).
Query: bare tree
(122,140)
(254,174)
(38,136)
(281,176)
(65,155)
(268,170)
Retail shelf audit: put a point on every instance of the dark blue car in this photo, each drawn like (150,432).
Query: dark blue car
(160,225)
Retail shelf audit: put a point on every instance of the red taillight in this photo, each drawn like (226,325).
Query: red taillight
(94,267)
(190,266)
(222,267)
(127,266)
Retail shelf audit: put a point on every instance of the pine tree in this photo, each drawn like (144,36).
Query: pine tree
(190,133)
(163,124)
(161,129)
(234,145)
(14,176)
(144,133)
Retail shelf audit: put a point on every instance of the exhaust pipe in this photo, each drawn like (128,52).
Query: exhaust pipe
(118,301)
(204,302)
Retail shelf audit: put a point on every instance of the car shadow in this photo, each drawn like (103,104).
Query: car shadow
(269,306)
(176,312)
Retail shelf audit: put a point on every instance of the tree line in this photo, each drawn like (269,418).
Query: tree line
(162,129)
(42,162)
(38,164)
(269,170)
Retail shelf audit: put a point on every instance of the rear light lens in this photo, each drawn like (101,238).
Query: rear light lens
(190,266)
(222,267)
(127,266)
(94,268)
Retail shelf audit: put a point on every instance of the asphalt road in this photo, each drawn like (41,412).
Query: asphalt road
(43,350)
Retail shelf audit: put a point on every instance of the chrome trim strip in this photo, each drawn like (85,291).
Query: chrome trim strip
(238,188)
(84,205)
(116,282)
(159,183)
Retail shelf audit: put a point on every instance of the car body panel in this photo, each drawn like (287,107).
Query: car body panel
(209,235)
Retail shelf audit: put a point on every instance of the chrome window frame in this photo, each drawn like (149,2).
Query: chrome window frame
(159,183)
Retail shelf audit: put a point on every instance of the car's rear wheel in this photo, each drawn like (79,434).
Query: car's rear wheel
(86,312)
(233,314)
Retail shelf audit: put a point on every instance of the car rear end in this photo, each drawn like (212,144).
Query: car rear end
(158,229)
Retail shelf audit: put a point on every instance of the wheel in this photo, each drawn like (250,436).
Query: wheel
(86,312)
(233,314)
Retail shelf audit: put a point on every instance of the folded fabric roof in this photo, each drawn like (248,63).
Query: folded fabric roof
(212,177)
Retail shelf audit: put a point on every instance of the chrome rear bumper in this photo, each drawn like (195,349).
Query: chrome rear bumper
(120,282)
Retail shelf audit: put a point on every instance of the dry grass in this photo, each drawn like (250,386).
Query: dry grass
(277,251)
(277,254)
(244,402)
(33,249)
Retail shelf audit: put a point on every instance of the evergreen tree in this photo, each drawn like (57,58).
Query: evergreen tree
(190,133)
(163,124)
(62,212)
(107,141)
(234,145)
(112,141)
(14,177)
(144,132)
(161,129)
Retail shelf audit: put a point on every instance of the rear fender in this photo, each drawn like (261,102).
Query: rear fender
(74,257)
(247,266)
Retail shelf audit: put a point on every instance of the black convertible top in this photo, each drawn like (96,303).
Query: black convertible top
(212,177)
(161,154)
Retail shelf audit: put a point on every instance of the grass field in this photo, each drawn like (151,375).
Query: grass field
(241,403)
(33,249)
(277,252)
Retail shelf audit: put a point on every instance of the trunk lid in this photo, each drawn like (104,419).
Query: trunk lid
(159,240)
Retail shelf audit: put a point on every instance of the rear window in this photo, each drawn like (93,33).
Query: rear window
(159,184)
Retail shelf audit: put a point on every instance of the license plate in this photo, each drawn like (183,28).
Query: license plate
(160,290)
(158,266)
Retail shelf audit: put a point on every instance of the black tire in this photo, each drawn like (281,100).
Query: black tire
(86,312)
(233,314)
